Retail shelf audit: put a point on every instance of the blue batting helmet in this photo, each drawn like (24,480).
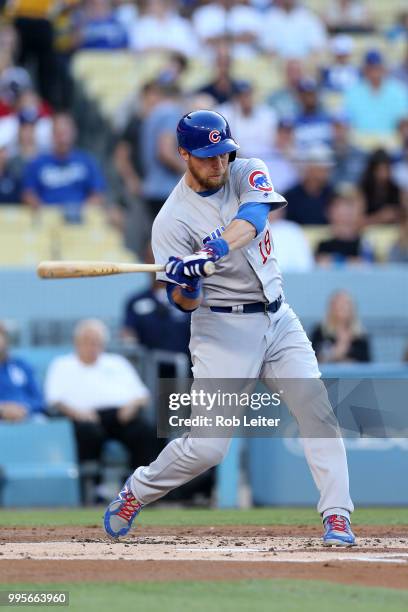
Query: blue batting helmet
(205,133)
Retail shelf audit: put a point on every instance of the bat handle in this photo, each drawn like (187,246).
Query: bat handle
(209,268)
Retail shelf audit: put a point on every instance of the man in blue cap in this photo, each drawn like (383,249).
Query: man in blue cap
(377,103)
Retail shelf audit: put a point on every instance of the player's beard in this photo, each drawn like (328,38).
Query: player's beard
(209,183)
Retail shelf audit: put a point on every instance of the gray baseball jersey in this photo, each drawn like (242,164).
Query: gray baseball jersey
(188,220)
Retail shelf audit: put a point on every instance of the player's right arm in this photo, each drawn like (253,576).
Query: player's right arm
(182,299)
(170,238)
(184,292)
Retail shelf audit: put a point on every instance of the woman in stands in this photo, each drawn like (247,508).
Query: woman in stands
(382,194)
(340,337)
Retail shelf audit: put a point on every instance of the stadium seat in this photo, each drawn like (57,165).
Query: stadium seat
(25,248)
(95,242)
(38,464)
(109,78)
(15,218)
(315,234)
(369,142)
(382,238)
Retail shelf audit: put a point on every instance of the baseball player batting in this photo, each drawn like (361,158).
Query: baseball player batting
(241,325)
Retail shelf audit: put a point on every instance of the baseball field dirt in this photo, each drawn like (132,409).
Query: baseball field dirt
(47,551)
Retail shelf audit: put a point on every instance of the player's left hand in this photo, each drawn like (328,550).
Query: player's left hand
(195,265)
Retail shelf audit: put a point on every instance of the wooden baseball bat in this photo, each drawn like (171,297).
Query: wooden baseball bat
(78,269)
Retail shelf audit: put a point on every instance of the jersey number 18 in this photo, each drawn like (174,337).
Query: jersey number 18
(265,247)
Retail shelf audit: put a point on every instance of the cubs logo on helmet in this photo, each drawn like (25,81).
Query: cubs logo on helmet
(259,180)
(214,136)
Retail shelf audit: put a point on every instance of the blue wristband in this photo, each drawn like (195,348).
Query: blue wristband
(218,248)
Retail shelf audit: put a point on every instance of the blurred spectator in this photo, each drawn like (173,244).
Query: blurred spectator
(174,69)
(285,101)
(65,44)
(66,177)
(400,164)
(308,200)
(198,101)
(151,321)
(161,163)
(233,20)
(245,117)
(381,193)
(223,86)
(340,338)
(348,16)
(135,218)
(26,148)
(313,125)
(377,102)
(261,5)
(290,29)
(346,245)
(103,396)
(161,28)
(20,396)
(32,21)
(399,251)
(129,149)
(341,71)
(13,79)
(8,40)
(127,13)
(400,71)
(291,246)
(28,107)
(349,160)
(10,181)
(98,28)
(280,160)
(210,22)
(399,31)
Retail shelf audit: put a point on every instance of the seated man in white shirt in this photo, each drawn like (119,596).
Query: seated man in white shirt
(290,29)
(103,396)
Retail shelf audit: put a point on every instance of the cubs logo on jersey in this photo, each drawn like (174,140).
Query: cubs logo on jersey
(215,234)
(259,180)
(214,136)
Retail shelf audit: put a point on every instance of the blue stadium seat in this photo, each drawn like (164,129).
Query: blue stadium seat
(38,464)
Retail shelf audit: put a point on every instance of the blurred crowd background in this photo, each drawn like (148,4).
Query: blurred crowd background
(90,95)
(91,92)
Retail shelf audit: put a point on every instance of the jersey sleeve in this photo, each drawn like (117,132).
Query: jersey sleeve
(169,238)
(255,185)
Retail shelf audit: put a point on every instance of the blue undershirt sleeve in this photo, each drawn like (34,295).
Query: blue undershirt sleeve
(255,213)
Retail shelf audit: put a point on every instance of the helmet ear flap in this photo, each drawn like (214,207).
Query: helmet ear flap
(232,156)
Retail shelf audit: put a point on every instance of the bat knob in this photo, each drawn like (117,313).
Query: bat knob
(209,268)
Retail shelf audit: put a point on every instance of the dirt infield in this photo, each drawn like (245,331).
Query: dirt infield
(76,554)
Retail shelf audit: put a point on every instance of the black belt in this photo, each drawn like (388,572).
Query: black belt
(248,308)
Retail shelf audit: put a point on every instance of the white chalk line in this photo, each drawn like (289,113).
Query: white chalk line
(157,552)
